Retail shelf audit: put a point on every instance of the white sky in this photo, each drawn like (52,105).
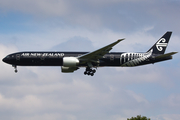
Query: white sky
(85,25)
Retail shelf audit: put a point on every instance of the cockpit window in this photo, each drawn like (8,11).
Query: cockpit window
(8,56)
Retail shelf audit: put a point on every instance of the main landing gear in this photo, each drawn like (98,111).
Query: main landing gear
(15,67)
(89,71)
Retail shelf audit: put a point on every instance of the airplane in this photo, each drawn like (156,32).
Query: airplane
(72,61)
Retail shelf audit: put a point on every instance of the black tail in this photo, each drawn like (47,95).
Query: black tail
(160,46)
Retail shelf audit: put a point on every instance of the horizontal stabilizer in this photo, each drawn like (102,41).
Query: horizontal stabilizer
(166,55)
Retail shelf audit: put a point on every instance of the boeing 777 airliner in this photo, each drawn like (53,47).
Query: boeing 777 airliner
(72,61)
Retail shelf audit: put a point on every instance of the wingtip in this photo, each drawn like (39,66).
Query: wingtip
(120,39)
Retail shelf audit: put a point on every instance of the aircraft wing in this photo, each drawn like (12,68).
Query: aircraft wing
(95,55)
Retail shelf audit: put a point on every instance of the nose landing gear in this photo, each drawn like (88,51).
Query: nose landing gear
(15,67)
(89,71)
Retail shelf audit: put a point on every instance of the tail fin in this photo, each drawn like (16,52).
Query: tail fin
(160,46)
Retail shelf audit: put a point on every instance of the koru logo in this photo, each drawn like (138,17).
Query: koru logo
(161,43)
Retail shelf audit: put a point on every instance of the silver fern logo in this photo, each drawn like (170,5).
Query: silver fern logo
(126,59)
(161,43)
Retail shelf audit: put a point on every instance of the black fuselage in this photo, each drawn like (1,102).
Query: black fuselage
(56,59)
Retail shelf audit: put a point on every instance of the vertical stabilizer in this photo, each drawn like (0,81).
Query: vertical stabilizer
(160,46)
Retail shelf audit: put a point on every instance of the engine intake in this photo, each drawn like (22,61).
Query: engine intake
(70,61)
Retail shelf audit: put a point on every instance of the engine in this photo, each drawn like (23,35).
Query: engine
(70,61)
(68,69)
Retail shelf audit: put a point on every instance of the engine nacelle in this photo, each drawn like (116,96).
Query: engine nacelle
(68,69)
(70,61)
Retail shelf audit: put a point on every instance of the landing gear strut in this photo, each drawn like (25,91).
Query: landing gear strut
(89,71)
(15,67)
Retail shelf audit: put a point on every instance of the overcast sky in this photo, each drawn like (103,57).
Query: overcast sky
(36,93)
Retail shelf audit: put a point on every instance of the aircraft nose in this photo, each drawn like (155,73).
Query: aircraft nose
(4,60)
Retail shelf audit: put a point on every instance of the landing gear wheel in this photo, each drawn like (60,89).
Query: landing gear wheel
(92,74)
(89,71)
(15,67)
